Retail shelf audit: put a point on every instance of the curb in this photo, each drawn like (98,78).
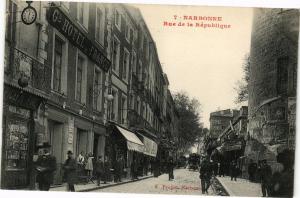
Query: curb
(224,188)
(112,185)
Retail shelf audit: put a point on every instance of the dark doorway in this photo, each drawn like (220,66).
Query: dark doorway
(96,142)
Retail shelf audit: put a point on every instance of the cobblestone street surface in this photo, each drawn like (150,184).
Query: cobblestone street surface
(186,182)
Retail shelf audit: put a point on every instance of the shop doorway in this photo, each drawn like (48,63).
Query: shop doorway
(56,141)
(82,141)
(96,145)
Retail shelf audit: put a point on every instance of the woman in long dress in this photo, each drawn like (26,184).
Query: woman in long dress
(89,166)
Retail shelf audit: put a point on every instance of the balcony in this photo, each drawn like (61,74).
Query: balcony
(138,121)
(19,64)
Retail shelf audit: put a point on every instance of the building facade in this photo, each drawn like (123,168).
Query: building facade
(83,76)
(273,82)
(219,120)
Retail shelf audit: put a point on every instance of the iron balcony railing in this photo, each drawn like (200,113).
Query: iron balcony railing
(19,64)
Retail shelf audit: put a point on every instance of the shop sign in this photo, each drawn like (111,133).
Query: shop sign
(20,111)
(64,25)
(150,147)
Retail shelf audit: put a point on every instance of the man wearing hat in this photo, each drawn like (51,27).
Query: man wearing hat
(45,166)
(266,175)
(70,168)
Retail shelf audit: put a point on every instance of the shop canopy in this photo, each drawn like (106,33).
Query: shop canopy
(133,142)
(150,146)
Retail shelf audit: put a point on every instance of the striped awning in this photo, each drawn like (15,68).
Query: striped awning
(133,142)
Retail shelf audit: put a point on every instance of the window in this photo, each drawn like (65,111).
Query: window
(125,65)
(98,89)
(100,25)
(140,76)
(145,47)
(141,42)
(282,75)
(128,33)
(133,62)
(138,106)
(118,19)
(132,101)
(10,30)
(123,109)
(81,79)
(57,70)
(116,55)
(114,105)
(11,9)
(83,13)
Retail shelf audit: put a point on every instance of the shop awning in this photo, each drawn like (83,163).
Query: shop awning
(133,142)
(150,146)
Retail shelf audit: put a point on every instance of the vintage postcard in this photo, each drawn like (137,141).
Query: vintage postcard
(149,99)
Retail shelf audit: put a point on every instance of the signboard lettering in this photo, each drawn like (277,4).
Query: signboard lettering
(63,24)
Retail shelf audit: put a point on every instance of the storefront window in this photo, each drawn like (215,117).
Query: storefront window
(16,146)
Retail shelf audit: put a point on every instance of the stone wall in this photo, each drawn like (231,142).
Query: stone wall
(274,37)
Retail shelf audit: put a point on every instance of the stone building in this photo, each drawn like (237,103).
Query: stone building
(273,82)
(79,73)
(219,120)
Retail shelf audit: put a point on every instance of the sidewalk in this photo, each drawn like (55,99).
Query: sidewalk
(241,187)
(90,186)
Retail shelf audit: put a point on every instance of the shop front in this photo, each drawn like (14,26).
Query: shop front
(149,155)
(20,127)
(125,146)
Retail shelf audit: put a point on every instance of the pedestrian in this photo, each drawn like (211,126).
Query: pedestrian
(81,159)
(99,169)
(205,175)
(233,170)
(156,166)
(70,168)
(171,168)
(222,169)
(252,168)
(282,183)
(265,176)
(117,170)
(89,166)
(133,170)
(106,173)
(45,166)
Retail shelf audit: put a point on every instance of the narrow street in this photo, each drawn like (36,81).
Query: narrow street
(185,182)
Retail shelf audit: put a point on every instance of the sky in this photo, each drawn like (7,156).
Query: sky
(205,63)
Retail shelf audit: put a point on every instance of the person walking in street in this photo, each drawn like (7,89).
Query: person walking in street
(222,169)
(99,168)
(265,175)
(89,167)
(117,170)
(282,183)
(171,168)
(156,167)
(205,175)
(252,168)
(233,170)
(45,166)
(133,170)
(106,174)
(70,168)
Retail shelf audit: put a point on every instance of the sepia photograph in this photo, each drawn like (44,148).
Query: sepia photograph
(103,97)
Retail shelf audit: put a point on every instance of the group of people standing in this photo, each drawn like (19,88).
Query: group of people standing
(279,183)
(99,169)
